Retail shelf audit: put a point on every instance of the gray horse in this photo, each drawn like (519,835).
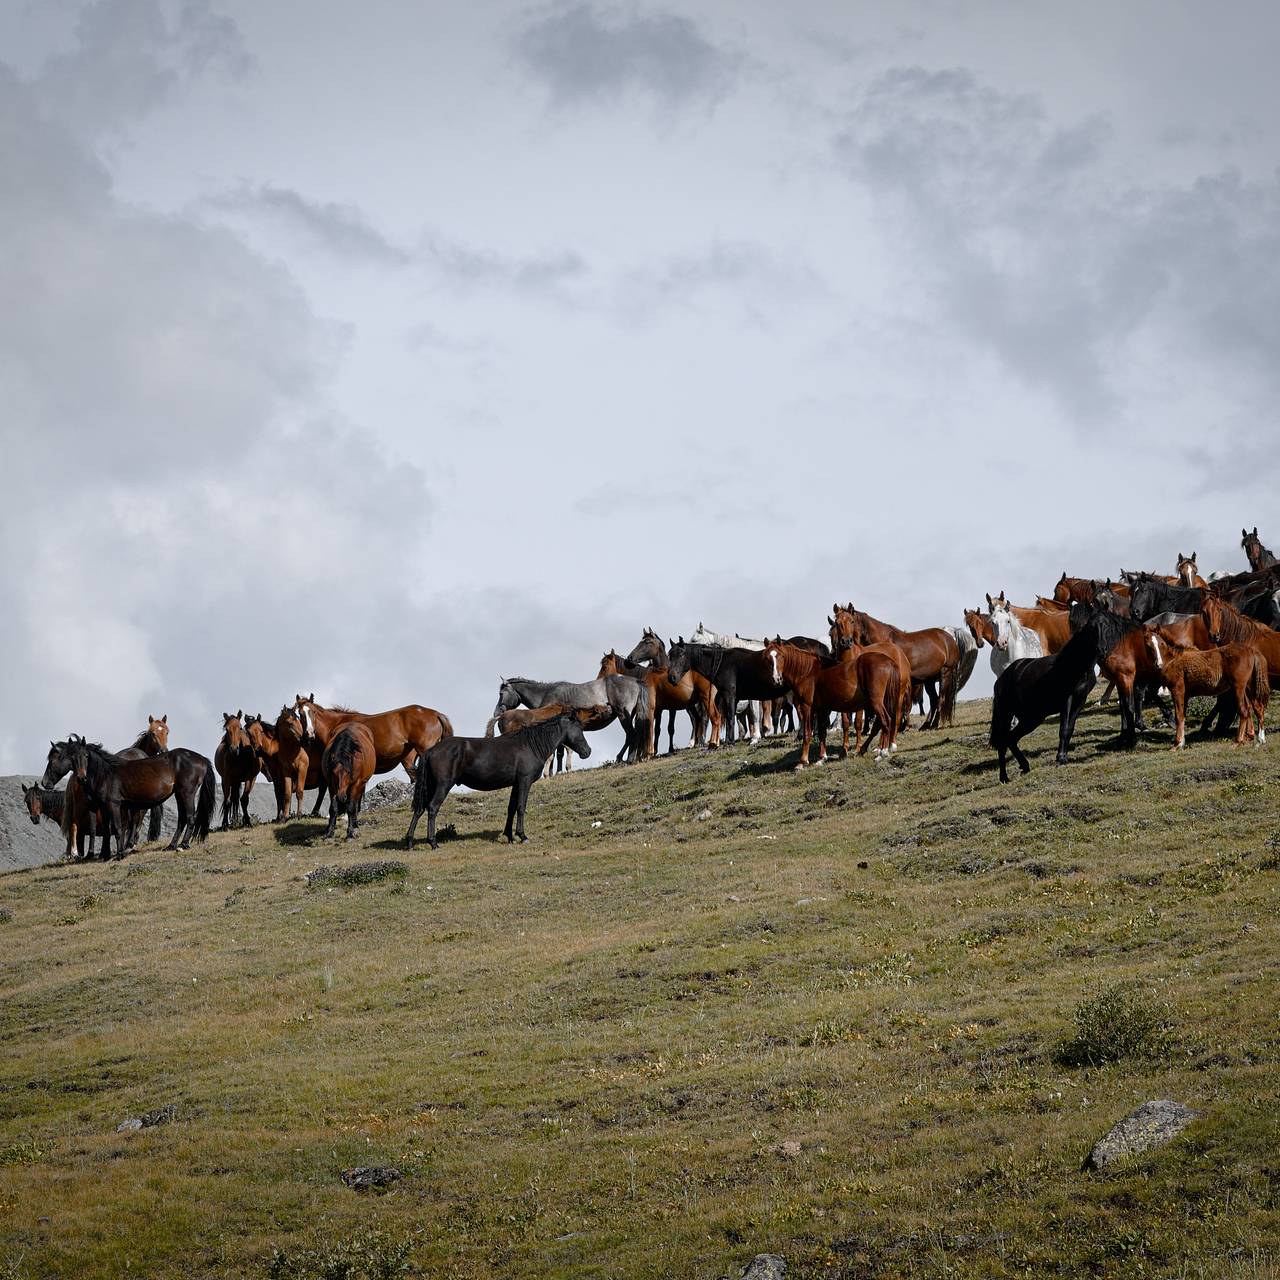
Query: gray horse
(627,697)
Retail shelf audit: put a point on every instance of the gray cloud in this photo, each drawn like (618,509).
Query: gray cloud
(131,55)
(342,229)
(549,273)
(584,54)
(1041,253)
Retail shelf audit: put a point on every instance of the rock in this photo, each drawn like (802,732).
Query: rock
(149,1119)
(790,1148)
(388,794)
(764,1266)
(704,814)
(371,1177)
(1151,1125)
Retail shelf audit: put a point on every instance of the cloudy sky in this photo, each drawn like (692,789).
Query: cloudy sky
(383,350)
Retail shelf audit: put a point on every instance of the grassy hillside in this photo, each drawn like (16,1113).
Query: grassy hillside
(713,1008)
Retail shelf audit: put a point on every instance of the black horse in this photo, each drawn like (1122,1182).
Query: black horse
(515,760)
(124,788)
(735,673)
(1259,556)
(1032,689)
(1149,595)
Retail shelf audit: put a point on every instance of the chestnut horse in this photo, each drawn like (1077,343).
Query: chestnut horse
(1227,625)
(299,767)
(932,652)
(347,765)
(875,678)
(399,736)
(237,764)
(1237,668)
(1187,573)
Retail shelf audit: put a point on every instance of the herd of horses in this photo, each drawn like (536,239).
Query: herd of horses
(1144,632)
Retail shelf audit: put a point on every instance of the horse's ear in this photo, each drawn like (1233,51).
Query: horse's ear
(164,719)
(1255,532)
(239,713)
(1193,555)
(990,602)
(1243,533)
(1064,576)
(831,622)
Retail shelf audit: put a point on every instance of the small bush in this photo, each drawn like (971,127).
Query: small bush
(1125,1021)
(356,873)
(5,915)
(366,1255)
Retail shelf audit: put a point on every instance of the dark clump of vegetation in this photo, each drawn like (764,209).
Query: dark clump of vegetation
(1125,1021)
(5,915)
(366,1255)
(356,873)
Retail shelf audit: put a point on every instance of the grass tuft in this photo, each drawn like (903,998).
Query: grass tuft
(356,873)
(1125,1021)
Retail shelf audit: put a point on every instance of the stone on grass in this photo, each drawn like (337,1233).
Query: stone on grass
(1151,1125)
(764,1266)
(376,1177)
(388,794)
(149,1119)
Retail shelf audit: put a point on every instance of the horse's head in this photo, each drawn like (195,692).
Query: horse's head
(842,622)
(59,762)
(1001,622)
(79,757)
(234,731)
(975,621)
(595,717)
(1142,598)
(1186,570)
(290,722)
(159,730)
(1252,545)
(1214,616)
(610,665)
(508,698)
(1062,589)
(649,649)
(35,802)
(679,659)
(776,660)
(574,736)
(1154,648)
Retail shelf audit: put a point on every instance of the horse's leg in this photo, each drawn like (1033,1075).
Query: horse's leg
(1244,708)
(333,816)
(407,758)
(730,694)
(227,802)
(413,823)
(1179,692)
(286,787)
(353,811)
(523,783)
(321,788)
(512,805)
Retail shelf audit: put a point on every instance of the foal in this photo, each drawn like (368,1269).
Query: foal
(1236,668)
(347,765)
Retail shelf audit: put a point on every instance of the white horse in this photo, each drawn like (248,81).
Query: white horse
(1013,640)
(968,655)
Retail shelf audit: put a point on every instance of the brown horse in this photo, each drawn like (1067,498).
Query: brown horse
(1187,573)
(1237,668)
(932,652)
(875,678)
(980,627)
(237,764)
(1227,625)
(347,765)
(262,738)
(693,694)
(1050,605)
(296,767)
(1053,626)
(399,736)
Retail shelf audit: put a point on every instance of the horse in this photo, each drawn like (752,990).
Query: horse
(592,718)
(875,679)
(1013,640)
(1226,624)
(297,765)
(699,697)
(399,736)
(724,639)
(733,673)
(626,696)
(1050,605)
(237,764)
(1050,625)
(1237,668)
(76,817)
(1032,689)
(124,787)
(933,653)
(1259,557)
(1150,594)
(1186,572)
(347,765)
(487,764)
(1069,591)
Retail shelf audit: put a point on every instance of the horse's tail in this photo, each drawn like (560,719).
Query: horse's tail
(204,805)
(446,726)
(644,717)
(153,822)
(489,728)
(947,694)
(892,701)
(67,823)
(228,803)
(1260,687)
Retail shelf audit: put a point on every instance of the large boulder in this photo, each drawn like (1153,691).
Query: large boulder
(1151,1125)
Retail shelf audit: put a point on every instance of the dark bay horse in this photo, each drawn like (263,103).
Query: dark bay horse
(733,673)
(489,764)
(126,787)
(932,652)
(347,766)
(1259,556)
(1030,690)
(399,736)
(78,820)
(237,764)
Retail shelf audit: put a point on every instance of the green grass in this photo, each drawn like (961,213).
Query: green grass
(586,1054)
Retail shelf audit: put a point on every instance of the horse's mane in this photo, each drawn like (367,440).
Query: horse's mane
(337,706)
(1237,626)
(342,751)
(542,737)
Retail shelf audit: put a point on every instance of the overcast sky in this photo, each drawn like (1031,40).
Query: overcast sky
(382,350)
